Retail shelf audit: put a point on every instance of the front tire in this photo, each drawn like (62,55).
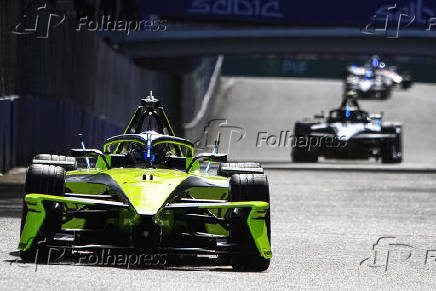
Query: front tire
(248,187)
(43,179)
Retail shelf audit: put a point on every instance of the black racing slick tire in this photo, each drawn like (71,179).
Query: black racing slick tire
(242,165)
(407,81)
(247,187)
(228,169)
(56,158)
(392,149)
(386,94)
(44,179)
(68,163)
(300,154)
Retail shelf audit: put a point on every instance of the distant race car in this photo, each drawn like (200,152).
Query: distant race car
(375,80)
(369,86)
(347,133)
(145,194)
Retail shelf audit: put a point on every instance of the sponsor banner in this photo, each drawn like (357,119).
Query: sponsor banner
(414,13)
(288,66)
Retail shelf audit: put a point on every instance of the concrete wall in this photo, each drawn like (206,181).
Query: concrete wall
(199,89)
(68,83)
(31,125)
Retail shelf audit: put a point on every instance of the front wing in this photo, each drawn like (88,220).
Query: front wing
(37,214)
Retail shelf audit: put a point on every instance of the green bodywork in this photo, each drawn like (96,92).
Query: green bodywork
(145,196)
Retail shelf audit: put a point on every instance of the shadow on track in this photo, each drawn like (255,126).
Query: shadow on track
(191,264)
(11,195)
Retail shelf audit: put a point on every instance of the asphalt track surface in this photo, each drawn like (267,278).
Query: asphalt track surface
(326,223)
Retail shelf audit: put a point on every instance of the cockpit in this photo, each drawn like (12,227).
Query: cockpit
(148,149)
(348,115)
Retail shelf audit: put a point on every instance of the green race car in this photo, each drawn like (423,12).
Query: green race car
(145,194)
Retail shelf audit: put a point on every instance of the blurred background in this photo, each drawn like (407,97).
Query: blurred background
(256,65)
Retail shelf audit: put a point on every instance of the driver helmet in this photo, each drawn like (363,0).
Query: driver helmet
(155,154)
(375,62)
(351,94)
(350,99)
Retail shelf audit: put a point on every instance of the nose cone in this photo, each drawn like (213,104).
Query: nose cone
(347,131)
(146,194)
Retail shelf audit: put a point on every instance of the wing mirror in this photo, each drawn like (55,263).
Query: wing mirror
(207,157)
(89,153)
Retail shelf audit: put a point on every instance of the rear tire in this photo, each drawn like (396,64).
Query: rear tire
(222,171)
(302,154)
(392,149)
(407,81)
(43,179)
(56,158)
(386,94)
(248,187)
(68,163)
